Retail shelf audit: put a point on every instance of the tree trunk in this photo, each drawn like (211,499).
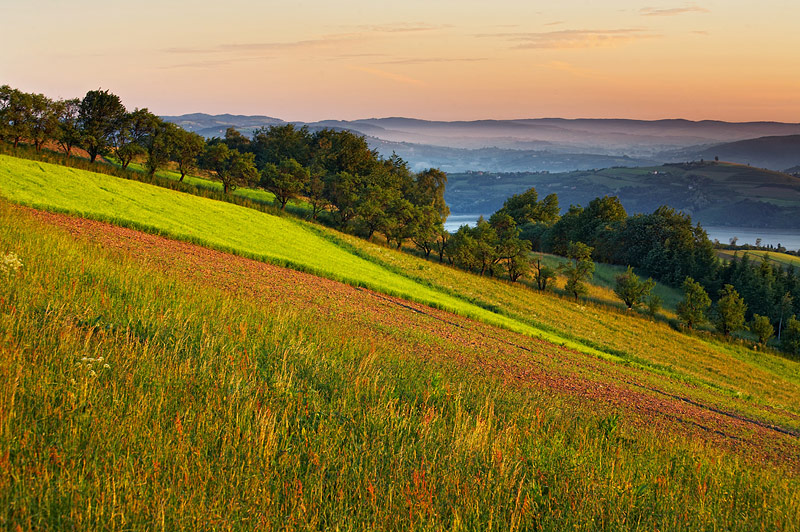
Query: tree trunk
(183,174)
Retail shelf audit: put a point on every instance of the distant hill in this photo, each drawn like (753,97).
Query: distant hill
(773,152)
(216,125)
(540,144)
(720,194)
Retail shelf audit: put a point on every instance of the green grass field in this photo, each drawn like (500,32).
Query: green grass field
(138,398)
(725,373)
(781,259)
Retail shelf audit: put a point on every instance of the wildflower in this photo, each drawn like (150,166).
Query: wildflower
(92,373)
(9,263)
(106,366)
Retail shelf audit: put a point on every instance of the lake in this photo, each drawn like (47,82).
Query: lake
(746,235)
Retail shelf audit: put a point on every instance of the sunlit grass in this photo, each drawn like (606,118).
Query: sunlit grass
(215,411)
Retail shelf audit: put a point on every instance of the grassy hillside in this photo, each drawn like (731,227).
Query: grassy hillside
(152,383)
(729,376)
(713,193)
(781,259)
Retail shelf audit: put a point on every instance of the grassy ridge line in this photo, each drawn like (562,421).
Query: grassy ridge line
(234,229)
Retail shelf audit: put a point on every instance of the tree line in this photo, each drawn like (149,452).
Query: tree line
(335,171)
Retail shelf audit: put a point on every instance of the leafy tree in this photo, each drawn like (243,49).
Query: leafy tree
(442,243)
(790,342)
(372,208)
(762,328)
(229,166)
(159,142)
(461,249)
(130,135)
(784,309)
(342,191)
(400,222)
(236,141)
(542,274)
(429,186)
(654,304)
(68,133)
(632,290)
(315,190)
(526,208)
(99,117)
(15,110)
(509,248)
(274,144)
(43,120)
(692,310)
(579,270)
(730,311)
(286,180)
(427,229)
(186,148)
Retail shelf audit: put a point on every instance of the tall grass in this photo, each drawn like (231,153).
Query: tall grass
(137,400)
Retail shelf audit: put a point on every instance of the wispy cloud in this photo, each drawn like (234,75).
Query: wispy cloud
(402,27)
(671,11)
(422,60)
(566,39)
(555,23)
(399,78)
(327,41)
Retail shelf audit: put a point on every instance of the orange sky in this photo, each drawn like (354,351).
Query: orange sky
(445,59)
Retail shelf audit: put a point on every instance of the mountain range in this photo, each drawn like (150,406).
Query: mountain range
(546,144)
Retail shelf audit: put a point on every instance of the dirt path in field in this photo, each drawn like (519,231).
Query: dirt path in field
(421,332)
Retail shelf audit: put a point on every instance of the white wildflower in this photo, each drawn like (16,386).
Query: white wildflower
(106,366)
(92,373)
(9,263)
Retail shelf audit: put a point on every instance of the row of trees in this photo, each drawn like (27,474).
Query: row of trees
(335,170)
(99,124)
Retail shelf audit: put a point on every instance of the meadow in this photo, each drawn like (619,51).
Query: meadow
(782,259)
(727,375)
(140,397)
(155,383)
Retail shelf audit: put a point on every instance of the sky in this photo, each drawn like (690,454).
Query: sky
(311,60)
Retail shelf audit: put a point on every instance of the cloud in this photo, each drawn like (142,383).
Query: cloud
(389,75)
(421,60)
(672,11)
(402,27)
(322,42)
(568,39)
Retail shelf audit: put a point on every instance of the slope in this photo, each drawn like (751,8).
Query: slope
(158,381)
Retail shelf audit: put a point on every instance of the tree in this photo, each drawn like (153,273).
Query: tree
(286,180)
(631,290)
(400,221)
(579,270)
(315,190)
(15,110)
(730,311)
(43,120)
(692,310)
(654,304)
(129,137)
(427,229)
(99,117)
(526,208)
(159,142)
(762,328)
(542,274)
(68,133)
(186,148)
(229,166)
(791,336)
(784,309)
